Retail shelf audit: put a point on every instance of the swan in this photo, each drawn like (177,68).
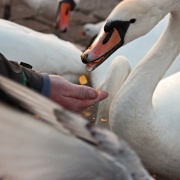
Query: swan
(134,52)
(119,69)
(144,113)
(104,76)
(41,140)
(45,52)
(55,9)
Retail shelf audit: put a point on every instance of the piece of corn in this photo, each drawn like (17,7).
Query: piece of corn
(83,80)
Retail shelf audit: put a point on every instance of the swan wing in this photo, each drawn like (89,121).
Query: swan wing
(32,150)
(35,145)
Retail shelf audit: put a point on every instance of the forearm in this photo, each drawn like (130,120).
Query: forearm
(24,76)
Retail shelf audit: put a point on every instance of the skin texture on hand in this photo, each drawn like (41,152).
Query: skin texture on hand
(73,97)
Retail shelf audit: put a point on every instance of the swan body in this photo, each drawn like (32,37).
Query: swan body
(119,69)
(134,52)
(41,140)
(45,52)
(144,113)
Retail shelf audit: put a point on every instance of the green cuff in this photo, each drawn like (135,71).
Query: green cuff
(24,78)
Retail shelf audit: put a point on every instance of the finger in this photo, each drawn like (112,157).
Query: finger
(82,104)
(82,92)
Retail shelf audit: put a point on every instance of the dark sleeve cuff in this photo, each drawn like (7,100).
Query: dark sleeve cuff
(34,80)
(46,85)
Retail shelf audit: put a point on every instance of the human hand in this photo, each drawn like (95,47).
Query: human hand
(73,97)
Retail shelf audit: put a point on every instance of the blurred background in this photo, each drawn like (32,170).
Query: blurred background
(87,11)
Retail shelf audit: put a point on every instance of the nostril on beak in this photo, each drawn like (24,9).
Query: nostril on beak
(84,58)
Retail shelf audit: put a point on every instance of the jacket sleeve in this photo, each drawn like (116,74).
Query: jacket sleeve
(21,74)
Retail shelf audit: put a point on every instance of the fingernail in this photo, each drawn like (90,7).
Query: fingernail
(92,94)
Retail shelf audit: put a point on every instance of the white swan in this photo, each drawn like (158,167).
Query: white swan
(47,142)
(50,9)
(45,52)
(134,51)
(144,114)
(119,69)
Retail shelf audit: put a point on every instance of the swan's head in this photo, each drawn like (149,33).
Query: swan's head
(128,21)
(63,13)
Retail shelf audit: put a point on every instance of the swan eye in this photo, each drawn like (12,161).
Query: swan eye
(132,20)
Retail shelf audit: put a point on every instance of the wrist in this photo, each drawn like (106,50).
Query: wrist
(46,85)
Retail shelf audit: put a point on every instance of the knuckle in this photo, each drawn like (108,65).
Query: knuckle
(81,93)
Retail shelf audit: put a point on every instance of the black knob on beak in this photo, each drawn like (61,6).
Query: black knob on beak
(84,57)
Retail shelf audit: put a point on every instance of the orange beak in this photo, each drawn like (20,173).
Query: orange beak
(63,16)
(101,50)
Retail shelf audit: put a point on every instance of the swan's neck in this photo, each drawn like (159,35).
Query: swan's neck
(167,6)
(31,2)
(145,77)
(41,7)
(119,69)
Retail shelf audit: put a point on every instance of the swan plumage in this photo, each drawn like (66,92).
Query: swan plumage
(145,113)
(45,52)
(41,140)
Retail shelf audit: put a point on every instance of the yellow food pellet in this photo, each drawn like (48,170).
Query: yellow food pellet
(103,120)
(83,80)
